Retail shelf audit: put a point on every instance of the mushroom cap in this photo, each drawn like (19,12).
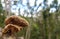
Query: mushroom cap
(12,28)
(16,20)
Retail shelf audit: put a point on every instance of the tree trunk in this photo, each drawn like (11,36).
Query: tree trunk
(7,10)
(57,37)
(49,35)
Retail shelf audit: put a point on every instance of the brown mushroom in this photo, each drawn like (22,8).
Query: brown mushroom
(13,24)
(16,20)
(10,29)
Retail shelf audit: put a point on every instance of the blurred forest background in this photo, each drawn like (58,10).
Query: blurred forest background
(44,24)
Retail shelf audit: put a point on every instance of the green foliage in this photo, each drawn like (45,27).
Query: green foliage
(2,18)
(35,32)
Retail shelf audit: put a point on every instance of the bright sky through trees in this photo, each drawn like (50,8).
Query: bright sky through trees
(14,8)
